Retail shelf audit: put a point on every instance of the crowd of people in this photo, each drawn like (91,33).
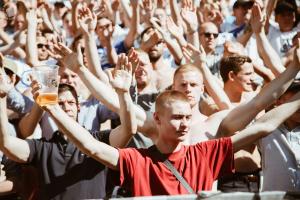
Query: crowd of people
(200,95)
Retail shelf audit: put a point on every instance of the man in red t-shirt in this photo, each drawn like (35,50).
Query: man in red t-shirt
(142,170)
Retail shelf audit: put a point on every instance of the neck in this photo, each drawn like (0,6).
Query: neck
(239,22)
(233,95)
(157,65)
(209,51)
(167,147)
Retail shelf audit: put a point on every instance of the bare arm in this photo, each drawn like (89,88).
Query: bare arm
(31,118)
(87,22)
(31,45)
(100,151)
(266,124)
(121,81)
(14,148)
(5,37)
(266,51)
(135,22)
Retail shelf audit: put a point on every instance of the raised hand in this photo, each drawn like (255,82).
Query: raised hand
(6,84)
(175,30)
(258,19)
(70,59)
(133,58)
(189,17)
(154,23)
(31,17)
(193,55)
(87,20)
(121,76)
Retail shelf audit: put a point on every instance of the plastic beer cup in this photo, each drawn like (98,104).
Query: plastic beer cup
(47,76)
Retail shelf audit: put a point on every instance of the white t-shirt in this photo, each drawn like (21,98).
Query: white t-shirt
(280,152)
(281,41)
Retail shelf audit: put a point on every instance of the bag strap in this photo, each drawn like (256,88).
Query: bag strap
(178,176)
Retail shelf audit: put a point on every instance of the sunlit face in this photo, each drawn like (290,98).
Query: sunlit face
(144,71)
(102,29)
(174,121)
(191,84)
(242,13)
(67,102)
(19,22)
(208,35)
(69,77)
(286,20)
(42,46)
(156,51)
(244,78)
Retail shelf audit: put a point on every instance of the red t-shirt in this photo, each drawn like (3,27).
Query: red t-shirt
(144,173)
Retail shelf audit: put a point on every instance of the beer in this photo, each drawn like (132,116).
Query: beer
(46,98)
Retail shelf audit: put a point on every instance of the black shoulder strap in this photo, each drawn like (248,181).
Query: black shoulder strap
(174,171)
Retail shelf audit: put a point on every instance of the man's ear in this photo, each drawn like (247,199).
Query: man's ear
(156,118)
(231,76)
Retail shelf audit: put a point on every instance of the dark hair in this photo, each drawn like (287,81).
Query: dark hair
(232,63)
(63,87)
(285,5)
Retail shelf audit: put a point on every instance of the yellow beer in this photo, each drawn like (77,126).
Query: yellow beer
(46,98)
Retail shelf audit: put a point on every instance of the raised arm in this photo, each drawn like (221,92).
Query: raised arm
(189,17)
(101,152)
(32,118)
(213,87)
(237,119)
(121,80)
(14,148)
(87,23)
(31,45)
(266,51)
(135,22)
(266,124)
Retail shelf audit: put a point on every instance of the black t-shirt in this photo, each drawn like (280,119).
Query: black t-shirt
(64,171)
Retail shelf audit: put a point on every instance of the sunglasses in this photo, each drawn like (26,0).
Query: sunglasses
(43,45)
(208,35)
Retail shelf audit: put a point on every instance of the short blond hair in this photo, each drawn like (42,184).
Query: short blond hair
(168,97)
(187,68)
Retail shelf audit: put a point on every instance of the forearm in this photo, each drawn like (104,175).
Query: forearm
(128,126)
(267,123)
(93,58)
(19,102)
(193,38)
(244,38)
(101,152)
(264,72)
(14,148)
(112,54)
(33,119)
(135,22)
(215,91)
(31,45)
(268,54)
(174,49)
(175,14)
(10,41)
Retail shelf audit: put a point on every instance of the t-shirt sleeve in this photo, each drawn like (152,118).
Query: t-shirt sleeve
(127,164)
(35,147)
(219,155)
